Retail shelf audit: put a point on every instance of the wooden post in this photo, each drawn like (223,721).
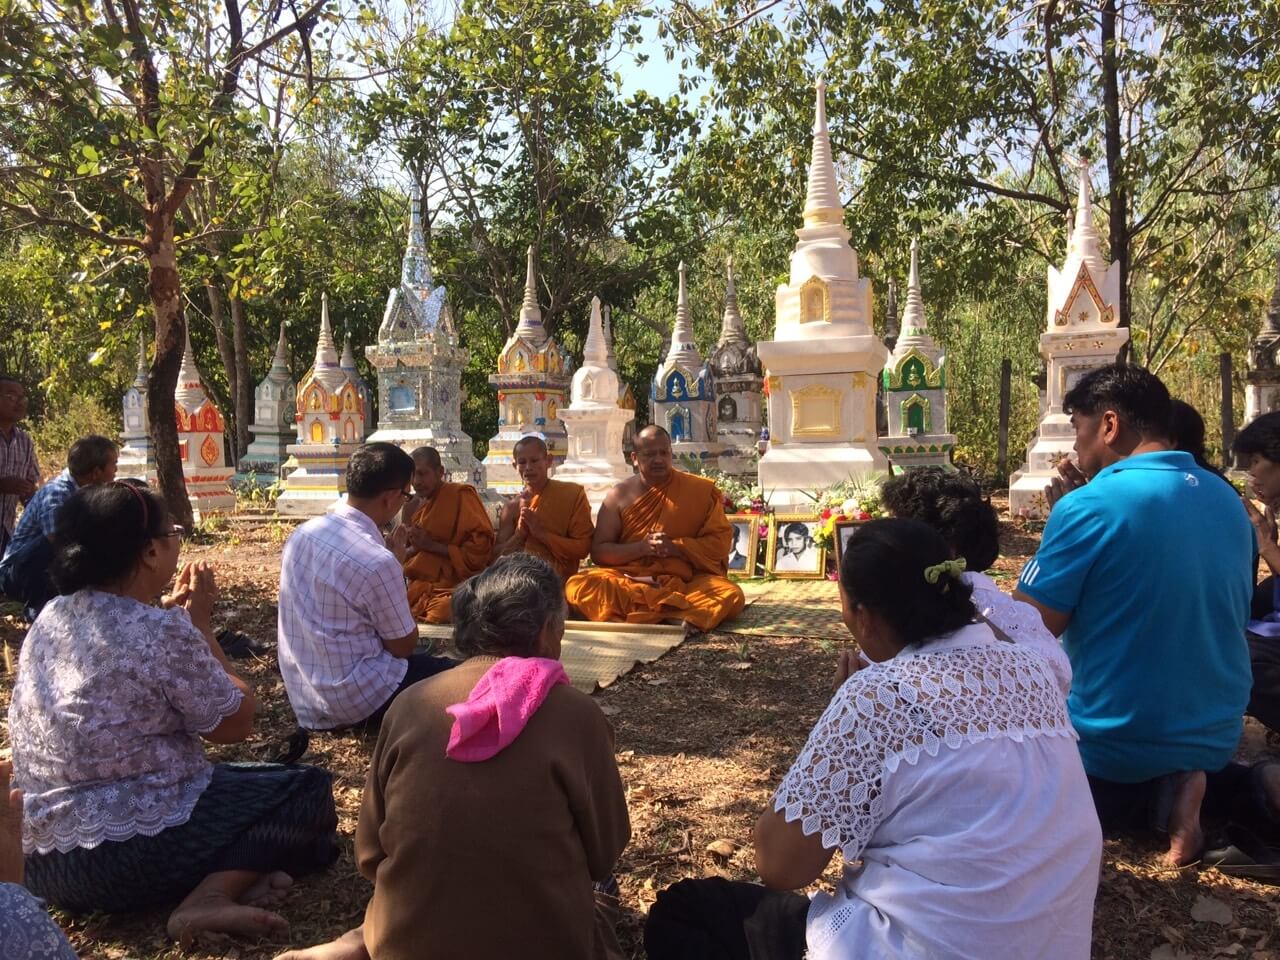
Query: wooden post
(1228,415)
(1002,448)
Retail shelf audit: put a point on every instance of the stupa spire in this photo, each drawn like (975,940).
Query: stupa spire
(731,327)
(348,361)
(822,202)
(1271,322)
(891,328)
(682,340)
(530,326)
(1085,243)
(140,377)
(415,269)
(280,362)
(326,351)
(596,351)
(913,321)
(190,392)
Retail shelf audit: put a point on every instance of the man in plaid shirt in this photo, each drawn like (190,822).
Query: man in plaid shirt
(19,471)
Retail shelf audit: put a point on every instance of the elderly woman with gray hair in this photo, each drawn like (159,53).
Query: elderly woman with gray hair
(493,811)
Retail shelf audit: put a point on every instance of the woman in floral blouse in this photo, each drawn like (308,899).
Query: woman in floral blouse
(113,697)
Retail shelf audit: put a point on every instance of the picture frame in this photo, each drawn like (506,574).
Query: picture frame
(792,552)
(744,553)
(843,531)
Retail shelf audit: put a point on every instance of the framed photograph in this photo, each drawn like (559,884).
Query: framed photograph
(745,545)
(844,530)
(792,552)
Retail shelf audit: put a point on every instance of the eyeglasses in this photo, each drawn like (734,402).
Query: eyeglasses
(405,494)
(177,531)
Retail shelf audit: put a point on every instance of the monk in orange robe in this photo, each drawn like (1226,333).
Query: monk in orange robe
(661,548)
(450,534)
(550,518)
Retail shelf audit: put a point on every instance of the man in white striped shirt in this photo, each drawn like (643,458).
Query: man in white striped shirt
(347,637)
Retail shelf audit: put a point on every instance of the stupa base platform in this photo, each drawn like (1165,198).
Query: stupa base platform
(788,474)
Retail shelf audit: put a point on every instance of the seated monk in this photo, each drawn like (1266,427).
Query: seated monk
(450,535)
(550,519)
(660,546)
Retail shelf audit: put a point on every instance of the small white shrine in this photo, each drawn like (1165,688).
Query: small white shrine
(823,364)
(683,394)
(274,419)
(348,365)
(738,381)
(1082,333)
(1262,381)
(595,421)
(915,389)
(532,382)
(420,364)
(137,457)
(201,442)
(330,426)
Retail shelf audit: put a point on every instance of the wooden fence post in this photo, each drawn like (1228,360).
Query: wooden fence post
(1228,414)
(1002,443)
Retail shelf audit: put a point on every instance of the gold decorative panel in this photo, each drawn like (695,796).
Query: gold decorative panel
(815,301)
(815,412)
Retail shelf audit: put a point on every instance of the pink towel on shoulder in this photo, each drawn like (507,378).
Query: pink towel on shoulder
(500,706)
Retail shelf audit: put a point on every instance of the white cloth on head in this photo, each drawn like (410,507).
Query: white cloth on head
(342,593)
(110,701)
(951,772)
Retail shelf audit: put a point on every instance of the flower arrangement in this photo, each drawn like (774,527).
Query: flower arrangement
(847,500)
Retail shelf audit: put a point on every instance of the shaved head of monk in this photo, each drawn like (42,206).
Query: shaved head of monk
(532,461)
(652,454)
(428,471)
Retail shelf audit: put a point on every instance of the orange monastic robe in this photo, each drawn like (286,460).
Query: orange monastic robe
(566,518)
(455,517)
(689,509)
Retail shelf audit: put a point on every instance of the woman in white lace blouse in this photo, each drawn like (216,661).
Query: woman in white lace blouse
(112,699)
(946,773)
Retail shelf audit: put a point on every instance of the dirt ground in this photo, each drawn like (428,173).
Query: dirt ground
(702,741)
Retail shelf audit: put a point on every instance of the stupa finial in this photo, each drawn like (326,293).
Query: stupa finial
(530,326)
(415,269)
(281,357)
(326,351)
(1085,242)
(822,202)
(731,328)
(913,320)
(140,377)
(596,350)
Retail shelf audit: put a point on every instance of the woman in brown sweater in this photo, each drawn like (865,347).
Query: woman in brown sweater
(493,800)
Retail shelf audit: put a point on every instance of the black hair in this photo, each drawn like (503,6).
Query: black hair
(89,453)
(376,468)
(953,505)
(502,610)
(1186,433)
(102,532)
(1261,436)
(795,526)
(883,569)
(1134,393)
(5,378)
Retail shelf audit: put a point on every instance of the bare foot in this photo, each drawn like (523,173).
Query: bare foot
(349,946)
(1186,840)
(11,863)
(218,913)
(268,890)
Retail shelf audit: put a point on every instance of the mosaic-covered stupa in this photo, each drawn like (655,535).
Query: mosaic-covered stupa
(738,382)
(274,419)
(683,394)
(137,457)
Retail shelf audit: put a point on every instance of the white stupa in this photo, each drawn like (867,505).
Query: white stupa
(822,365)
(1082,333)
(683,394)
(274,419)
(137,457)
(915,389)
(594,420)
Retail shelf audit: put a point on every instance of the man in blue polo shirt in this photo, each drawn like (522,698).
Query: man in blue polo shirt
(1144,572)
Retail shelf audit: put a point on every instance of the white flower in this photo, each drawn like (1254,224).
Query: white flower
(850,507)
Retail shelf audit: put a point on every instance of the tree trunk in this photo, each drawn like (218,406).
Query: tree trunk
(226,350)
(243,385)
(165,289)
(1118,212)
